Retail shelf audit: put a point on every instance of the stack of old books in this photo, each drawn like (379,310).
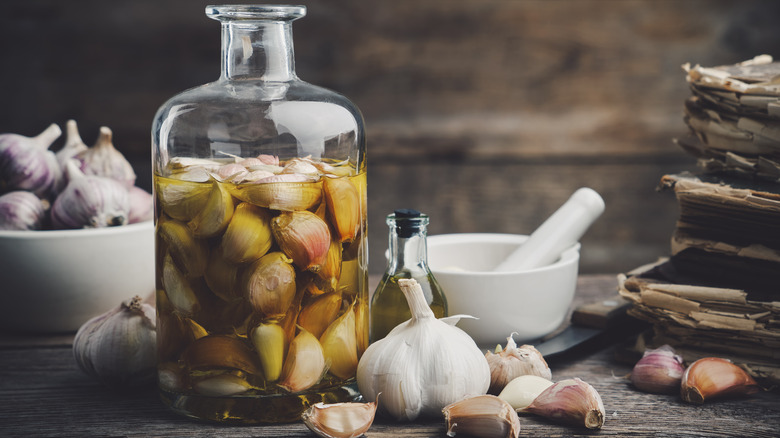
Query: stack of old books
(718,292)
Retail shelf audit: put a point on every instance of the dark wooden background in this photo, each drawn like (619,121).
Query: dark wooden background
(485,114)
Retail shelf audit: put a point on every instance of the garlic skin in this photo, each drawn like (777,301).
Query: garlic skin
(90,202)
(570,401)
(141,205)
(484,416)
(339,420)
(514,361)
(658,371)
(713,377)
(118,348)
(103,159)
(74,145)
(22,211)
(27,164)
(523,390)
(422,365)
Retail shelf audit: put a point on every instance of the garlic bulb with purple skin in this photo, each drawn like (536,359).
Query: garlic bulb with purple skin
(658,371)
(26,163)
(90,201)
(22,211)
(141,205)
(73,144)
(103,159)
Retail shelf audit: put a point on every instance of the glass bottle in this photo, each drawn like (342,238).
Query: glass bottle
(408,258)
(260,204)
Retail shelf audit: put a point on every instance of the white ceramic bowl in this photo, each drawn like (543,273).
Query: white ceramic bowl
(531,303)
(54,281)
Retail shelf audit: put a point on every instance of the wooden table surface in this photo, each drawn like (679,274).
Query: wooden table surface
(43,393)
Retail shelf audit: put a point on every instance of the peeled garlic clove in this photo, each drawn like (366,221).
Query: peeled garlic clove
(221,385)
(90,201)
(170,377)
(270,284)
(305,363)
(658,371)
(178,289)
(485,416)
(339,345)
(248,235)
(713,377)
(339,420)
(523,390)
(189,253)
(220,351)
(320,313)
(119,347)
(269,340)
(27,164)
(281,192)
(216,214)
(361,326)
(180,199)
(103,159)
(514,361)
(22,211)
(304,237)
(330,272)
(343,207)
(570,401)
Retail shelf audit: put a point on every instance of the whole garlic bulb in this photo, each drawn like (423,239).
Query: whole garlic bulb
(422,365)
(22,211)
(119,347)
(103,159)
(90,201)
(514,361)
(27,164)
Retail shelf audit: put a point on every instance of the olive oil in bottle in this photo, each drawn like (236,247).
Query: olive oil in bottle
(408,258)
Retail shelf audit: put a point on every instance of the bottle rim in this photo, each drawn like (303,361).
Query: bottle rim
(255,12)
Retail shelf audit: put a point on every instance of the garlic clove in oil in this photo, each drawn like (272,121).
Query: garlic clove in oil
(304,237)
(270,284)
(220,351)
(343,202)
(221,385)
(305,363)
(189,253)
(90,201)
(269,342)
(658,371)
(281,192)
(103,159)
(119,347)
(248,235)
(570,401)
(339,345)
(514,361)
(216,214)
(523,390)
(27,164)
(713,377)
(22,211)
(339,420)
(484,416)
(320,313)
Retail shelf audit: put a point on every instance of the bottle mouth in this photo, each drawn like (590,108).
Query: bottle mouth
(255,12)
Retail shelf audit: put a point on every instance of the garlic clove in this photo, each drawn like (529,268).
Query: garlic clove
(713,377)
(320,313)
(330,272)
(118,347)
(216,214)
(485,416)
(220,351)
(248,235)
(523,390)
(339,345)
(339,420)
(281,192)
(222,277)
(269,284)
(181,199)
(269,343)
(305,363)
(658,371)
(178,289)
(189,253)
(103,159)
(221,385)
(90,201)
(514,361)
(361,326)
(304,237)
(22,211)
(27,164)
(343,203)
(570,401)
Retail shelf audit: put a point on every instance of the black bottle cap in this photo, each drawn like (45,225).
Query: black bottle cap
(407,228)
(406,212)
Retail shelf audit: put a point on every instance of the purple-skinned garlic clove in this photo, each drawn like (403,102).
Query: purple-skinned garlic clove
(658,371)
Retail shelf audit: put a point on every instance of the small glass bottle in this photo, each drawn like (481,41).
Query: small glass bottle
(408,258)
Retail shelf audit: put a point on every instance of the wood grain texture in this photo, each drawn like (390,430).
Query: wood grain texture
(42,393)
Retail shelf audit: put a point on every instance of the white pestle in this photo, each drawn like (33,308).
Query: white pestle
(560,231)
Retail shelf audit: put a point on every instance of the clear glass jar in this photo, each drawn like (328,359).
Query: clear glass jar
(260,191)
(407,258)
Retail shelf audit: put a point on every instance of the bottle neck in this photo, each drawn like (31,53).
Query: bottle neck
(408,251)
(259,50)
